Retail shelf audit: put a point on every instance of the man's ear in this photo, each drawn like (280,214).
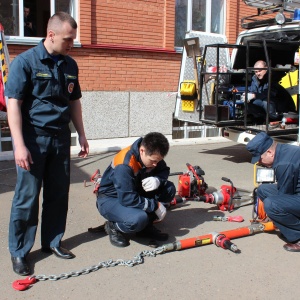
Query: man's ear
(51,34)
(142,149)
(271,152)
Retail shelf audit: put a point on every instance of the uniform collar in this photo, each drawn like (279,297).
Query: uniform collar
(136,149)
(44,55)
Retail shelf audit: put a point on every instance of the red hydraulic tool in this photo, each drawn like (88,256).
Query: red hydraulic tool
(96,179)
(192,187)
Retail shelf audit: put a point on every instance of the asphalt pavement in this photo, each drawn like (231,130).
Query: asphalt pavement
(262,269)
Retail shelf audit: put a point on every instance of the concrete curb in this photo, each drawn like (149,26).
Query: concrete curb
(113,145)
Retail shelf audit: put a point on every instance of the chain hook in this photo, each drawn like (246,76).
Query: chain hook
(23,284)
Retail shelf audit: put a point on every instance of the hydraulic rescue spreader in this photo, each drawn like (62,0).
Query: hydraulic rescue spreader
(192,187)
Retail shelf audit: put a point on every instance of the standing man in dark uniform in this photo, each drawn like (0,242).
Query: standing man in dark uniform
(133,189)
(281,200)
(43,92)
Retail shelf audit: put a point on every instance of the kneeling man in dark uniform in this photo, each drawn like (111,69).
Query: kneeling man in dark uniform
(282,199)
(133,189)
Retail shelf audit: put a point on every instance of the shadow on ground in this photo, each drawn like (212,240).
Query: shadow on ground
(236,153)
(79,170)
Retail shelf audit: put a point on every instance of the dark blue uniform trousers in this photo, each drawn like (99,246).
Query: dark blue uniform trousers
(283,210)
(51,166)
(128,219)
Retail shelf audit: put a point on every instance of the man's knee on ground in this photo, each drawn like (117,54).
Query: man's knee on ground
(135,223)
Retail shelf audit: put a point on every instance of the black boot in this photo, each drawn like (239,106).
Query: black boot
(20,266)
(116,237)
(153,233)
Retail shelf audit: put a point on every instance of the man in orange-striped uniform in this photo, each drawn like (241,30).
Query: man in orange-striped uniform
(133,189)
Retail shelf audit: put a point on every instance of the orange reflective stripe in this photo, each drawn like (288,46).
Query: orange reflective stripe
(120,158)
(134,164)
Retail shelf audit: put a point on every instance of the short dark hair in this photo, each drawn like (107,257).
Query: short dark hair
(61,17)
(156,142)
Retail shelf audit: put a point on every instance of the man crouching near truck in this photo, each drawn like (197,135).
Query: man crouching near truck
(133,188)
(280,100)
(281,200)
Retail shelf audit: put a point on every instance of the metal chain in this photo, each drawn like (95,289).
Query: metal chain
(138,259)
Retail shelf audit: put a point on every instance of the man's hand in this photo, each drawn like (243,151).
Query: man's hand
(84,151)
(150,183)
(160,212)
(23,158)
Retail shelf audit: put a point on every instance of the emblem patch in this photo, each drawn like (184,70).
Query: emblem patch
(70,87)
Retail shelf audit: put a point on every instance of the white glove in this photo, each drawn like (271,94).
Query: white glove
(160,212)
(250,96)
(243,97)
(150,183)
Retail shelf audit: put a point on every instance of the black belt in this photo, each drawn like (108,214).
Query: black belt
(51,133)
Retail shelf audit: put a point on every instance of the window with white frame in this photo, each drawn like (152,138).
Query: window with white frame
(34,15)
(29,18)
(199,15)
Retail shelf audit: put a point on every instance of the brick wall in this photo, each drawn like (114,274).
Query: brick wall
(133,22)
(129,45)
(121,70)
(235,11)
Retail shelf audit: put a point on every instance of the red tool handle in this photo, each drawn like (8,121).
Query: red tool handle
(95,175)
(235,219)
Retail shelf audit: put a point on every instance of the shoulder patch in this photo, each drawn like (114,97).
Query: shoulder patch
(71,87)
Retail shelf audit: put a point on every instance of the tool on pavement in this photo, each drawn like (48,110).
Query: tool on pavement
(228,218)
(192,187)
(96,179)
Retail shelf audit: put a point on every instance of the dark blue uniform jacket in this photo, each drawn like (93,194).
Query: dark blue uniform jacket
(287,169)
(45,86)
(123,179)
